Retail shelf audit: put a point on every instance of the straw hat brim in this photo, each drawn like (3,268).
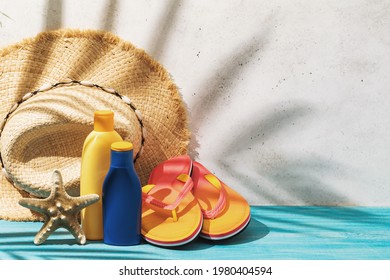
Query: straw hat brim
(86,64)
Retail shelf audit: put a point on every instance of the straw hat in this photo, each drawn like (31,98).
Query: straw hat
(50,86)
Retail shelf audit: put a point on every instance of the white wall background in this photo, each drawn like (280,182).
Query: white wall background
(289,100)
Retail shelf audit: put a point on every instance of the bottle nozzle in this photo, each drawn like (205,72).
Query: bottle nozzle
(121,146)
(103,120)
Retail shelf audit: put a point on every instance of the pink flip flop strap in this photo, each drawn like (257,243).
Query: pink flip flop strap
(221,203)
(187,187)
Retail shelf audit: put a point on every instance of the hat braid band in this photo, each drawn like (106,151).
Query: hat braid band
(70,82)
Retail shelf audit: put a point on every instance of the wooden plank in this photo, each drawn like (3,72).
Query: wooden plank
(275,232)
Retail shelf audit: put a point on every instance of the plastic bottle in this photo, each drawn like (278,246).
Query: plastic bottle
(95,163)
(122,198)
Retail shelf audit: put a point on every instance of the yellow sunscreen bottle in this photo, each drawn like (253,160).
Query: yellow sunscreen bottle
(95,163)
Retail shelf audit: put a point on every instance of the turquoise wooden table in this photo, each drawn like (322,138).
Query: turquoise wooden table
(274,233)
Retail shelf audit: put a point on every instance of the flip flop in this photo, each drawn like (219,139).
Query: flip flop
(225,211)
(171,215)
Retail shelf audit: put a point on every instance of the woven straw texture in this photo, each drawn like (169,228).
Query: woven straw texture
(47,130)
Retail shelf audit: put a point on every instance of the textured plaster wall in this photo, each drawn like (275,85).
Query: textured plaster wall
(289,100)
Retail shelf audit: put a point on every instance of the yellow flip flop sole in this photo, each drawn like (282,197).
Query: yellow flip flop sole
(171,216)
(225,211)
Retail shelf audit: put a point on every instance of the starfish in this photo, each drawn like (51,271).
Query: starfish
(59,210)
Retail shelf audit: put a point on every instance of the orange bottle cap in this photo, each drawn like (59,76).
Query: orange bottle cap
(103,120)
(121,146)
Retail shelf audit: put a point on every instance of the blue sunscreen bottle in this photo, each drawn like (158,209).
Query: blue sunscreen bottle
(122,198)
